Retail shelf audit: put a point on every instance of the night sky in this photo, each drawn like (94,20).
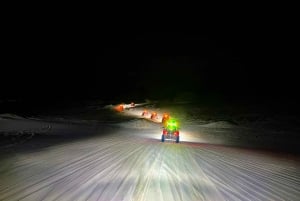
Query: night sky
(237,61)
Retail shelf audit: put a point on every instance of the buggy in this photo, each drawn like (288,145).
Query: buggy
(170,131)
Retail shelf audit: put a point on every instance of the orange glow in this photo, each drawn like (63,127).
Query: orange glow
(119,108)
(145,112)
(165,117)
(153,115)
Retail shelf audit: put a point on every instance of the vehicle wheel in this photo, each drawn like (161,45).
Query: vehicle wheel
(162,138)
(177,139)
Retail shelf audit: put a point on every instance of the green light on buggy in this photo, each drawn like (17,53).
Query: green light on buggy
(172,124)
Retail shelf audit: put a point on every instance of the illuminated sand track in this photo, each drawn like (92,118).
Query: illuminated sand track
(141,168)
(130,163)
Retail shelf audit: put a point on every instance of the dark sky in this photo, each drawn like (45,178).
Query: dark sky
(109,61)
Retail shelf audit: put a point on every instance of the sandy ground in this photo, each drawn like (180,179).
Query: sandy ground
(75,159)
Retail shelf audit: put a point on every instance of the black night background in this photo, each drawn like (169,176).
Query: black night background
(45,63)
